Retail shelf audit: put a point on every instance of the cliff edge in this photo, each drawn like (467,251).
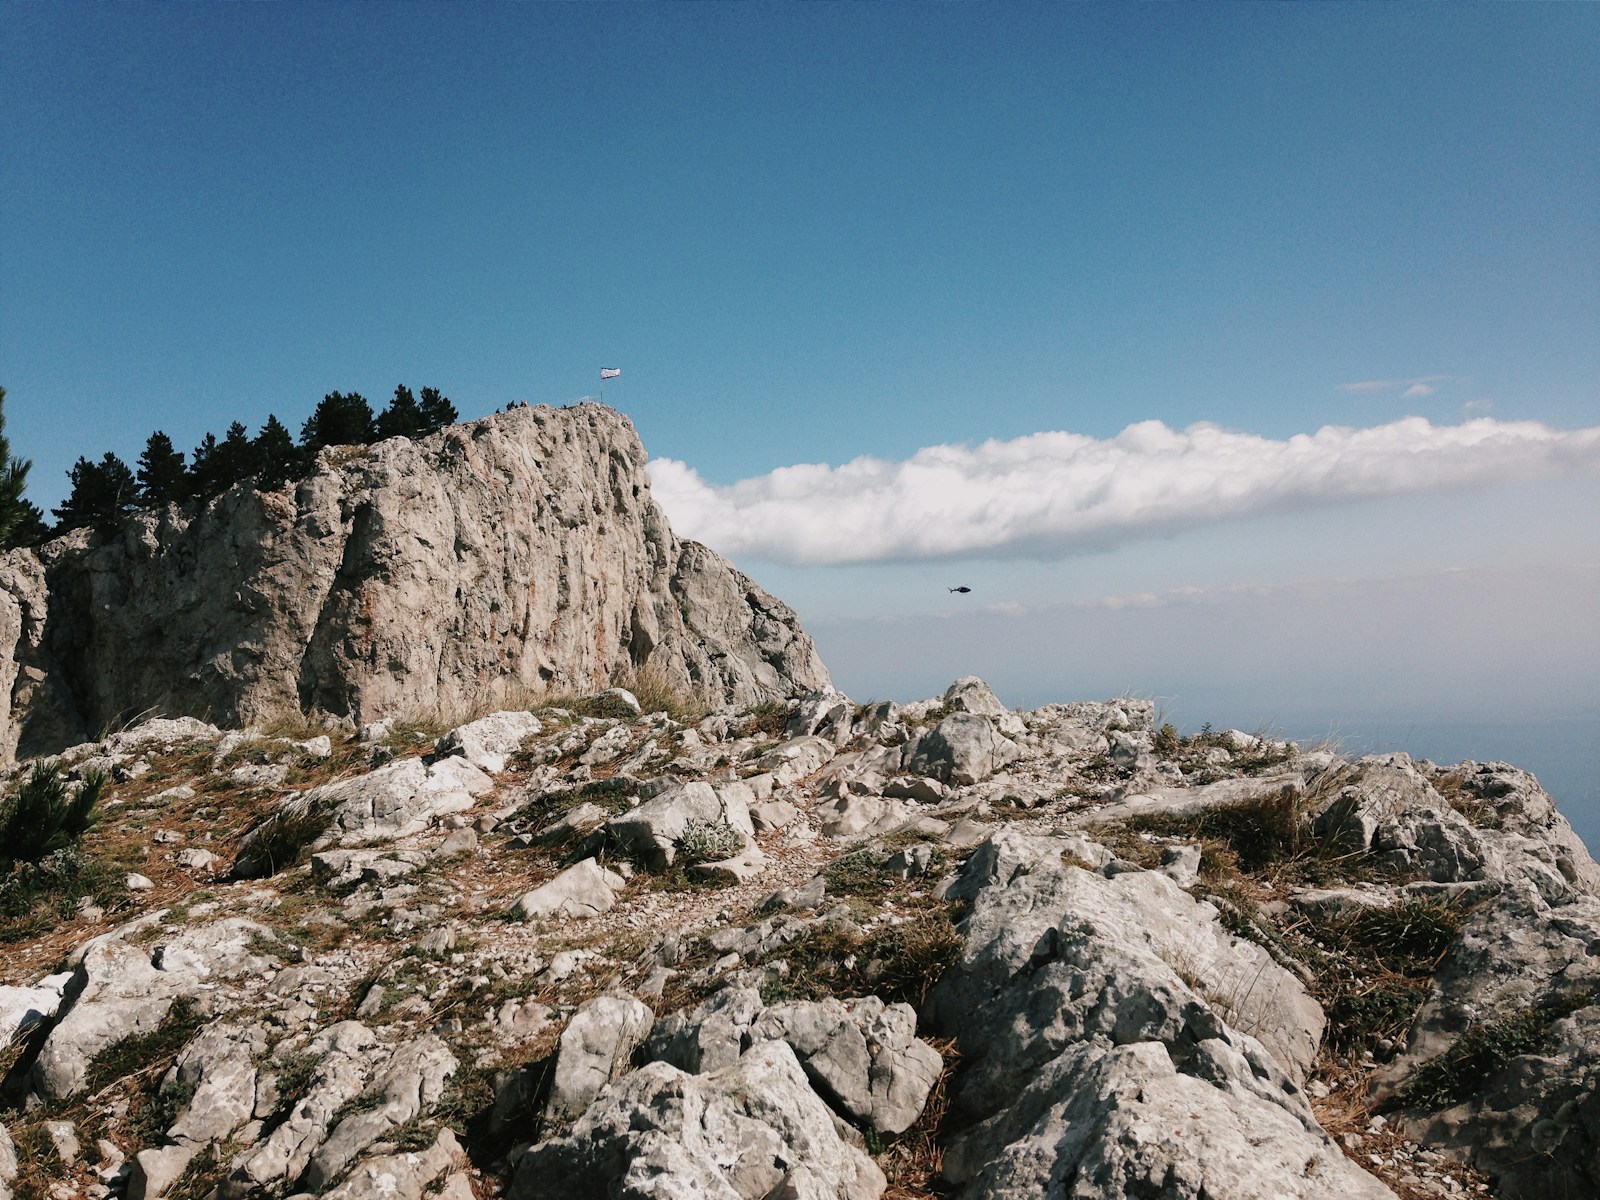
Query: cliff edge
(520,551)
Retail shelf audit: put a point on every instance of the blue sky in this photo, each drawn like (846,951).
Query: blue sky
(822,234)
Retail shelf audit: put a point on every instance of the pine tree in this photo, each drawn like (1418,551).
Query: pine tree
(437,412)
(277,459)
(202,469)
(235,460)
(403,417)
(339,420)
(102,493)
(21,523)
(161,474)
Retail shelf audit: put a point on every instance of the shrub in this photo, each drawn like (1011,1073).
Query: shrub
(708,841)
(282,839)
(897,962)
(1260,832)
(45,815)
(1482,1052)
(767,718)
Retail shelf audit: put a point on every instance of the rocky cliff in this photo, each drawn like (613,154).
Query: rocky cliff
(518,552)
(814,950)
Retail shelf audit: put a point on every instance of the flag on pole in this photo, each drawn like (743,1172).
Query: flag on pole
(609,373)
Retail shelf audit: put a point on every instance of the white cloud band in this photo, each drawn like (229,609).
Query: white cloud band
(1049,494)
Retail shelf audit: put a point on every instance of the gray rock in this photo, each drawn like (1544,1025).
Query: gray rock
(862,1056)
(795,760)
(346,1055)
(217,1072)
(402,1176)
(749,863)
(751,1130)
(64,1141)
(1526,963)
(585,818)
(655,828)
(963,748)
(518,551)
(768,815)
(1181,864)
(1186,801)
(120,989)
(918,788)
(826,714)
(458,843)
(408,1084)
(196,859)
(401,798)
(1132,1120)
(157,1169)
(22,1008)
(339,868)
(709,1037)
(595,1049)
(487,742)
(860,816)
(584,889)
(1109,1030)
(8,1162)
(1364,794)
(1511,802)
(1150,961)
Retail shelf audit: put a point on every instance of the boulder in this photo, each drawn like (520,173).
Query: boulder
(709,1037)
(1132,1120)
(1362,795)
(119,989)
(654,829)
(1149,957)
(394,801)
(584,889)
(1520,982)
(969,694)
(487,742)
(826,714)
(22,1008)
(794,760)
(595,1049)
(1113,1033)
(963,748)
(217,1072)
(157,1169)
(404,1175)
(862,1055)
(407,1085)
(751,1130)
(340,868)
(346,1056)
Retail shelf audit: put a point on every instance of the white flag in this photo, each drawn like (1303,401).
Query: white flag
(609,373)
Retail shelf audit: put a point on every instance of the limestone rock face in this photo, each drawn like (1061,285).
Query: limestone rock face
(521,550)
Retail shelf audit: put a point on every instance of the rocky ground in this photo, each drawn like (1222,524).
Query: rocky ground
(805,950)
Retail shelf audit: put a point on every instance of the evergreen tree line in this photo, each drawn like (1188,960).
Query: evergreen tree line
(105,491)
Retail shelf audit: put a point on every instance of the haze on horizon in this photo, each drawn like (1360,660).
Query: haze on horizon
(1243,356)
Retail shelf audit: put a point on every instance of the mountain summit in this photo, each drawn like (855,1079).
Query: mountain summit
(518,552)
